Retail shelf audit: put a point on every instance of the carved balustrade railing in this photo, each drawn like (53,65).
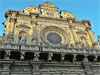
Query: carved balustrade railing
(33,48)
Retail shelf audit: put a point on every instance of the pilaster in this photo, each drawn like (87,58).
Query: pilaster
(74,34)
(90,33)
(6,64)
(36,67)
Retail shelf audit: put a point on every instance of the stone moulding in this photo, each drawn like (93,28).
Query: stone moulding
(33,48)
(40,42)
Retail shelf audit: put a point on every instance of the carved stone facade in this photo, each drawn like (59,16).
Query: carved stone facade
(43,43)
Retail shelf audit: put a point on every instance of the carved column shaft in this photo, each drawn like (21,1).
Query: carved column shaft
(14,22)
(74,35)
(36,56)
(7,55)
(90,33)
(16,38)
(85,59)
(22,56)
(34,35)
(74,58)
(62,57)
(50,57)
(95,58)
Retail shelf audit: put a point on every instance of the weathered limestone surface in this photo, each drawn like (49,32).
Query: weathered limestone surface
(43,43)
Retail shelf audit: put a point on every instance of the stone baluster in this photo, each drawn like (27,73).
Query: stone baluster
(22,56)
(36,56)
(95,58)
(50,55)
(74,57)
(62,58)
(7,55)
(85,59)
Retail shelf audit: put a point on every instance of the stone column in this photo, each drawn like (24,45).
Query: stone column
(74,34)
(74,57)
(16,39)
(50,55)
(22,56)
(90,33)
(85,59)
(14,22)
(36,56)
(62,58)
(95,58)
(7,55)
(12,30)
(34,35)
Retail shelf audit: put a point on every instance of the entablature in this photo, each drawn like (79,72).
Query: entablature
(44,49)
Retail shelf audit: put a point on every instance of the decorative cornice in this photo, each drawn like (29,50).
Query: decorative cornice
(30,48)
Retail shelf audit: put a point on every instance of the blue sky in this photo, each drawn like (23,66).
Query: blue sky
(82,9)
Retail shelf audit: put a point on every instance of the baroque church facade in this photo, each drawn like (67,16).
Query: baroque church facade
(38,41)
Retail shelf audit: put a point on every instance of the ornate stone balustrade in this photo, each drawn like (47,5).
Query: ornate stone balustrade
(34,48)
(37,64)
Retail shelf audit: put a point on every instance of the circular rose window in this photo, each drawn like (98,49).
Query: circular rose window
(54,38)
